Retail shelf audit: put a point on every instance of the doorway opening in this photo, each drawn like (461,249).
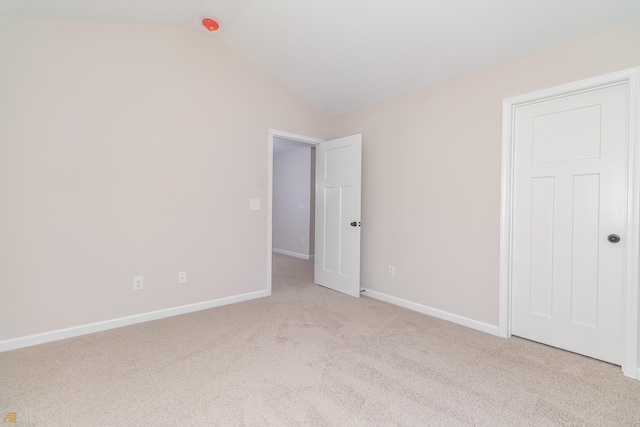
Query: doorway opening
(291,193)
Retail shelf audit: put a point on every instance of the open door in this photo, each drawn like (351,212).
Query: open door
(337,249)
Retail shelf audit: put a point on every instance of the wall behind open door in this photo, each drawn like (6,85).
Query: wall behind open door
(292,206)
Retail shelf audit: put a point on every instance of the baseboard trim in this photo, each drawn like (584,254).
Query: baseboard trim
(434,312)
(89,328)
(293,254)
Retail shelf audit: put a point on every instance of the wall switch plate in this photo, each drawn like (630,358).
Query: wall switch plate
(300,205)
(138,283)
(304,240)
(182,277)
(392,270)
(254,204)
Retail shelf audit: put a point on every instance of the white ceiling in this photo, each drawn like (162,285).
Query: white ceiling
(341,55)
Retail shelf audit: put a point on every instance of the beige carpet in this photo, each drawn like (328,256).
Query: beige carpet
(308,356)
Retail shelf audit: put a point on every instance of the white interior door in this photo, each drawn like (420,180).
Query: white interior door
(569,196)
(337,251)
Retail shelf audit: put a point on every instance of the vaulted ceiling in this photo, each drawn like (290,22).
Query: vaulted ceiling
(342,55)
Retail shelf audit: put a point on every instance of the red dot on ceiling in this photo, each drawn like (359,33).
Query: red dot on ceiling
(210,24)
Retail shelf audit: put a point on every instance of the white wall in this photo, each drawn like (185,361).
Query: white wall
(130,150)
(291,186)
(431,174)
(133,150)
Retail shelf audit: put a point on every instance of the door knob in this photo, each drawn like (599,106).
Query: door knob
(354,224)
(613,238)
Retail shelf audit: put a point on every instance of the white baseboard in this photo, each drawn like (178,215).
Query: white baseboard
(90,328)
(293,254)
(434,312)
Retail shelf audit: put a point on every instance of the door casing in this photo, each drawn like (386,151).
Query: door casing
(630,307)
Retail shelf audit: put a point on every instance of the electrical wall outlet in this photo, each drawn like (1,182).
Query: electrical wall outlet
(182,277)
(138,283)
(392,270)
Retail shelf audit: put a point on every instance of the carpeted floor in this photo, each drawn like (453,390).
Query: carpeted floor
(308,356)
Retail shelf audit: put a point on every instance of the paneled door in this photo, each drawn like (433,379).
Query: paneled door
(337,251)
(569,221)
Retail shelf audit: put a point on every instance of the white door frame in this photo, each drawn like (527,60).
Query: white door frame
(630,308)
(292,137)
